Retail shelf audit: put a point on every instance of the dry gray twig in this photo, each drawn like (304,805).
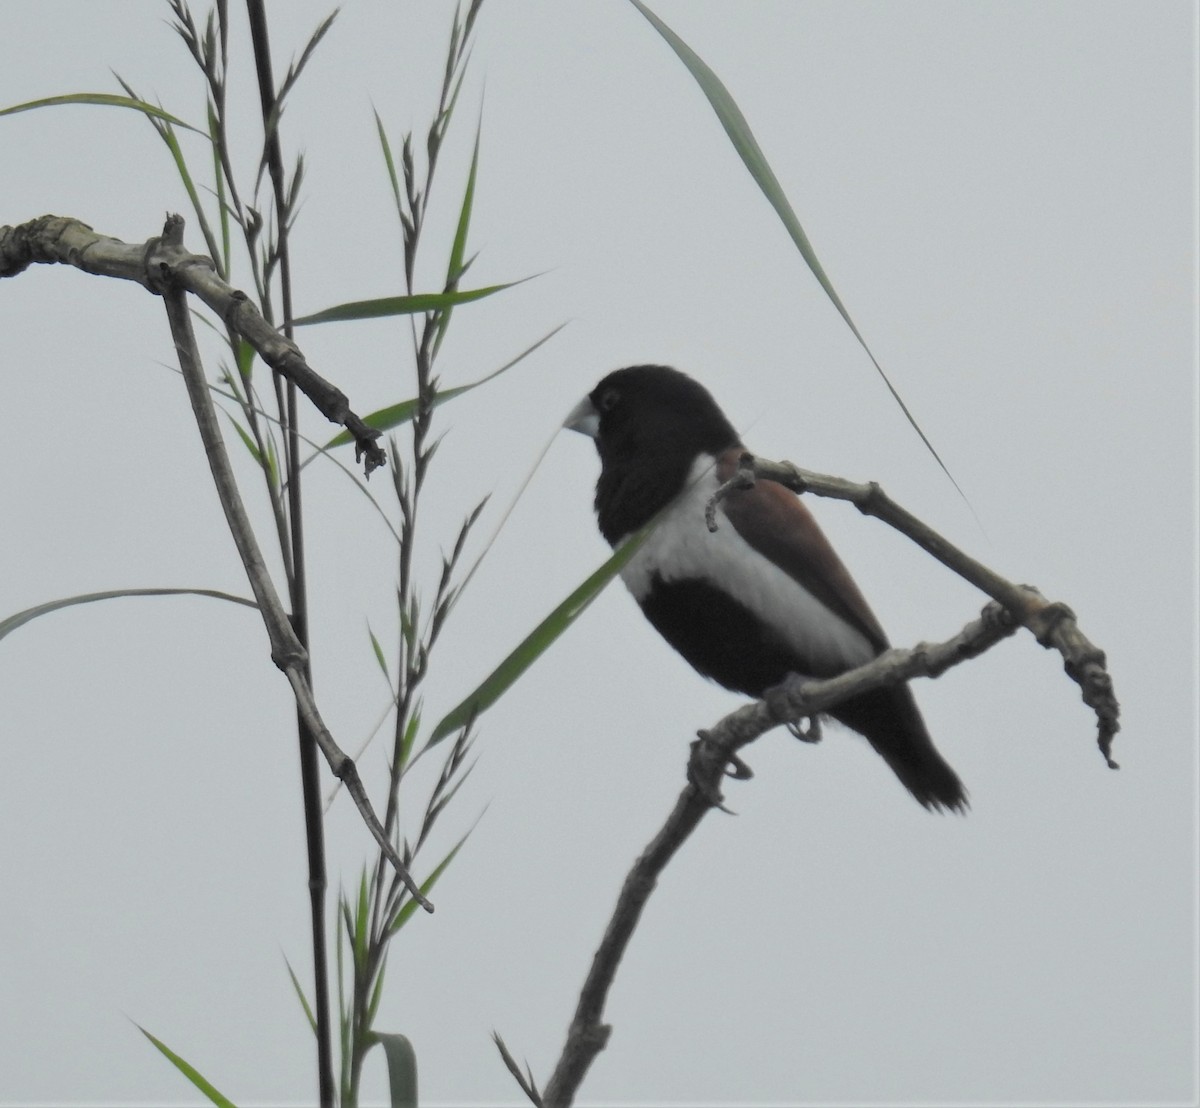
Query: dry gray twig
(711,754)
(1053,624)
(286,650)
(59,239)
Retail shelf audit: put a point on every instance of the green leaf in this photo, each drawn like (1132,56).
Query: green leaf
(744,142)
(272,463)
(376,993)
(167,133)
(189,1071)
(103,99)
(247,441)
(7,626)
(410,735)
(360,925)
(458,250)
(539,640)
(344,1019)
(390,162)
(245,359)
(385,419)
(402,1068)
(222,205)
(402,305)
(379,656)
(308,1012)
(410,905)
(189,185)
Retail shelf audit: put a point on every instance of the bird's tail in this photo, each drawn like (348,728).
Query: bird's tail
(891,722)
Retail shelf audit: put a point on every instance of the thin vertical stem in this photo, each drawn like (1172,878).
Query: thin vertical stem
(309,765)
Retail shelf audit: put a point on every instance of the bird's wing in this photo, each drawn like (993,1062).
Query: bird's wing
(775,522)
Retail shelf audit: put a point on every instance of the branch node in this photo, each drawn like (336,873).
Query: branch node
(1047,618)
(229,314)
(154,273)
(996,617)
(290,656)
(172,234)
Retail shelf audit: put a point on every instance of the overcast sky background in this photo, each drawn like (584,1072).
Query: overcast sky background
(1004,196)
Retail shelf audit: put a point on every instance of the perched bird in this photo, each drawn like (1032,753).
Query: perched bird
(762,597)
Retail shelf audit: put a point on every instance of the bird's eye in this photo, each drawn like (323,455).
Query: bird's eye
(609,399)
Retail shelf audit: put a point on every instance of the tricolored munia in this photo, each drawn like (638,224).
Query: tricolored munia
(762,597)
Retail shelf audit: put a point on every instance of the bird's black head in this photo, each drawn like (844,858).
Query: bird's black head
(650,423)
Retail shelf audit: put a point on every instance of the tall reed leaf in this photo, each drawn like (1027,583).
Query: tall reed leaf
(744,142)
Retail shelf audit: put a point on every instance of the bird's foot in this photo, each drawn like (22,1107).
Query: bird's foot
(700,771)
(784,701)
(807,731)
(737,769)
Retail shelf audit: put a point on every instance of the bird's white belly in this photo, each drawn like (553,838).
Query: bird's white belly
(682,548)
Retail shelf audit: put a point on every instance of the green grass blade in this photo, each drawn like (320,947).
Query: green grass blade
(360,924)
(343,1006)
(402,1068)
(410,905)
(458,250)
(744,142)
(376,993)
(272,459)
(538,641)
(189,185)
(410,735)
(226,259)
(7,626)
(385,419)
(394,415)
(103,99)
(401,305)
(245,359)
(308,1012)
(390,162)
(189,1071)
(272,462)
(379,655)
(247,441)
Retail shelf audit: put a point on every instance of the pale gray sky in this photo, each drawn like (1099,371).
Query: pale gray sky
(1004,196)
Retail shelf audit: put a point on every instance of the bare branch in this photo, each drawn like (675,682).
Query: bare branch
(286,650)
(159,262)
(712,753)
(1053,624)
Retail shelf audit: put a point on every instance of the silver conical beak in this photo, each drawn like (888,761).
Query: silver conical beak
(584,418)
